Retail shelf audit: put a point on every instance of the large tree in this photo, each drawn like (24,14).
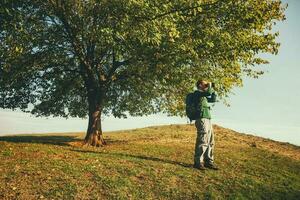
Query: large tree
(83,58)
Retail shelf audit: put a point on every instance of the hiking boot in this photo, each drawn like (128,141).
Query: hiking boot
(199,166)
(211,166)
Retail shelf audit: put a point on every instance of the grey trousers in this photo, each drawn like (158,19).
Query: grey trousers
(204,148)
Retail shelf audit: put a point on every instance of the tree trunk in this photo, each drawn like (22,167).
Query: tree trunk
(94,136)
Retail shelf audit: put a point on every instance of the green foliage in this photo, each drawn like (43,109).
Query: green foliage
(128,56)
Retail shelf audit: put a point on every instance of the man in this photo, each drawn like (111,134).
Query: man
(204,148)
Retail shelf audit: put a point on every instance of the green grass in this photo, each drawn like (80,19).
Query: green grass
(148,163)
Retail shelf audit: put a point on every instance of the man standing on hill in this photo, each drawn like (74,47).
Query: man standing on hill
(204,148)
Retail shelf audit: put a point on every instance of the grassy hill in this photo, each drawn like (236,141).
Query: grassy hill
(148,163)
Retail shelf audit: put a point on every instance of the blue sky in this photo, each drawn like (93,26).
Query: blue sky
(268,106)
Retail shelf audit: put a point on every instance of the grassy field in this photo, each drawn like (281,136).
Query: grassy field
(148,163)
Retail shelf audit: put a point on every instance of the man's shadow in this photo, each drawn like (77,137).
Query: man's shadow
(64,141)
(182,164)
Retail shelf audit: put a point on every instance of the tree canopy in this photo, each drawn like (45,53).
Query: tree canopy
(65,58)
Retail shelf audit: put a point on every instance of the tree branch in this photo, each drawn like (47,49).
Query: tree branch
(176,10)
(84,66)
(116,65)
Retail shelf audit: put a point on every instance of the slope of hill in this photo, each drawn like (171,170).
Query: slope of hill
(148,163)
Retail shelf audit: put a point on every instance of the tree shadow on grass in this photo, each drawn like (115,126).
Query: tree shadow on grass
(182,164)
(54,140)
(60,140)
